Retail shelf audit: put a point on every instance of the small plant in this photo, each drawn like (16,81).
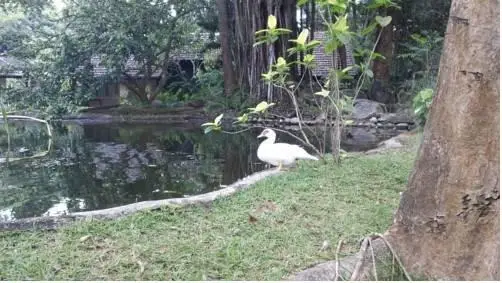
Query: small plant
(334,102)
(421,103)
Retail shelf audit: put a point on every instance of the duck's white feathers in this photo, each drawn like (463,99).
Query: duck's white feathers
(275,153)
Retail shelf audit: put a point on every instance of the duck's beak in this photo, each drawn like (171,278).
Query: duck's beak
(260,136)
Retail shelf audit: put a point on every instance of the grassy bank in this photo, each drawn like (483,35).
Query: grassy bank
(267,232)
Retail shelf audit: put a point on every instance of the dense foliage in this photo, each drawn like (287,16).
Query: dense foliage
(59,48)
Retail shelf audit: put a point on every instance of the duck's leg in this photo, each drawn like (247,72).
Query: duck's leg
(280,166)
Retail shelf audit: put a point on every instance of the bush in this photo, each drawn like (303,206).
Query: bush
(421,104)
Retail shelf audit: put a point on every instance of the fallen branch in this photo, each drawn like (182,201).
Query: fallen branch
(373,260)
(394,255)
(337,264)
(359,264)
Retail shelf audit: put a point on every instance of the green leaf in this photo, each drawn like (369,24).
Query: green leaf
(418,110)
(261,31)
(347,69)
(262,106)
(308,58)
(369,73)
(281,61)
(340,26)
(242,119)
(207,124)
(312,44)
(383,21)
(323,93)
(348,122)
(302,38)
(218,119)
(208,130)
(378,56)
(272,22)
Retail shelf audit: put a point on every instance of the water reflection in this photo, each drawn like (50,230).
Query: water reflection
(102,166)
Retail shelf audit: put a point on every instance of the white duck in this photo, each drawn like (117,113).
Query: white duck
(279,154)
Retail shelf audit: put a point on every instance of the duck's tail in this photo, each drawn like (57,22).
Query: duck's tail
(311,157)
(303,154)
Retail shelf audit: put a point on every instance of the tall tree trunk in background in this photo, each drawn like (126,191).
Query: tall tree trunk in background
(248,16)
(447,224)
(228,70)
(381,68)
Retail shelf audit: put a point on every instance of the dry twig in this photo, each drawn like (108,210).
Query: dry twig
(394,255)
(359,264)
(337,261)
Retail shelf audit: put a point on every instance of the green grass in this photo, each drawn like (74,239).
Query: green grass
(294,213)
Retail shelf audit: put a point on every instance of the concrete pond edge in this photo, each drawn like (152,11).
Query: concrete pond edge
(54,222)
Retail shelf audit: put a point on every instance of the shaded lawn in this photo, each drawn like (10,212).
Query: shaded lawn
(291,216)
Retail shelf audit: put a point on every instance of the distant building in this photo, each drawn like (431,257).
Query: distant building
(9,69)
(188,58)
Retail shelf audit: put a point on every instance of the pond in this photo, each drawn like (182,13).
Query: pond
(99,166)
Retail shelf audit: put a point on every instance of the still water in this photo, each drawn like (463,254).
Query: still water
(100,166)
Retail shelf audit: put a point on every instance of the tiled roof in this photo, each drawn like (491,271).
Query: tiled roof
(191,51)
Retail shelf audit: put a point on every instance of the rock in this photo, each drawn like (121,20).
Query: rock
(293,120)
(156,103)
(396,118)
(359,138)
(379,92)
(402,126)
(373,119)
(196,103)
(364,109)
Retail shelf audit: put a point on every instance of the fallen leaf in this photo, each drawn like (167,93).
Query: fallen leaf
(267,206)
(56,268)
(85,238)
(252,219)
(325,246)
(141,267)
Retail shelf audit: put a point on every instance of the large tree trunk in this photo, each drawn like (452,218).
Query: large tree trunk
(381,67)
(248,16)
(447,224)
(228,70)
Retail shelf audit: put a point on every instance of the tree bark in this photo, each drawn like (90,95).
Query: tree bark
(447,224)
(381,67)
(228,70)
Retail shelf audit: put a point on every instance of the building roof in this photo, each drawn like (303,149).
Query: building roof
(194,50)
(191,51)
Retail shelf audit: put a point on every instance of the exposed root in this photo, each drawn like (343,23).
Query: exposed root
(357,269)
(373,260)
(356,266)
(394,255)
(337,262)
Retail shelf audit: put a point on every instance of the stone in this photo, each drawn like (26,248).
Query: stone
(402,126)
(373,119)
(156,103)
(396,118)
(364,109)
(359,138)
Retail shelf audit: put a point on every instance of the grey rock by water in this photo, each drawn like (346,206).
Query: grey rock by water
(359,138)
(364,109)
(402,126)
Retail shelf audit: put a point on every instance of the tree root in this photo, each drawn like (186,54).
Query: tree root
(360,266)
